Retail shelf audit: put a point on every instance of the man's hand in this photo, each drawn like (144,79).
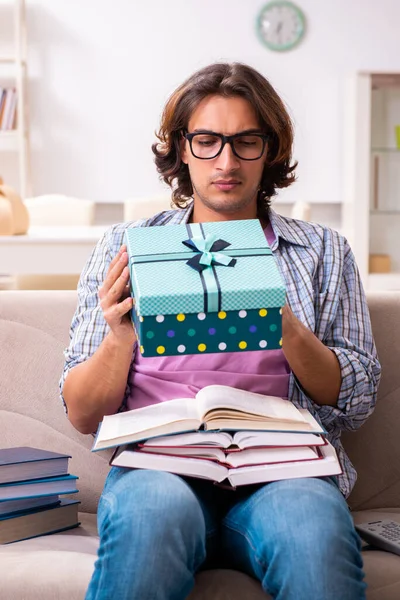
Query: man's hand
(292,328)
(116,300)
(314,364)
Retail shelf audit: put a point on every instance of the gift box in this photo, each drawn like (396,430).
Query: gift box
(204,288)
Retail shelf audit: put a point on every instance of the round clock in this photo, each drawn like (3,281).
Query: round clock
(281,25)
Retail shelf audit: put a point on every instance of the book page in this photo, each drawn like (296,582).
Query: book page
(140,420)
(190,451)
(248,439)
(265,456)
(196,439)
(270,407)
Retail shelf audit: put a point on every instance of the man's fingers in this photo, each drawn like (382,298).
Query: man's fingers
(117,257)
(114,273)
(116,290)
(126,292)
(114,313)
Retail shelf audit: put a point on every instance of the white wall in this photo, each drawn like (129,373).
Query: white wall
(101,70)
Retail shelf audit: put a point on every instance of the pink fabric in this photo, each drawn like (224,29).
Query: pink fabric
(156,379)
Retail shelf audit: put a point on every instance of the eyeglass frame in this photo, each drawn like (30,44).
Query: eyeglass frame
(226,139)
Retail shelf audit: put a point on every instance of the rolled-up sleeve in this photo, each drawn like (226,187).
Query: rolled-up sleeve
(350,338)
(88,326)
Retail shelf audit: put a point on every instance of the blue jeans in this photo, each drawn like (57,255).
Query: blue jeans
(157,530)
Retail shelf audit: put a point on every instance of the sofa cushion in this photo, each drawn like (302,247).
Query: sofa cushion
(51,567)
(59,567)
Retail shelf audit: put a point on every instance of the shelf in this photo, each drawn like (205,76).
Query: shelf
(7,59)
(385,150)
(385,212)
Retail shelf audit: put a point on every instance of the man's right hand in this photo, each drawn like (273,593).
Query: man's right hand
(115,298)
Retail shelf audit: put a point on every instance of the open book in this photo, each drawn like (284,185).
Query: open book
(327,464)
(215,407)
(240,440)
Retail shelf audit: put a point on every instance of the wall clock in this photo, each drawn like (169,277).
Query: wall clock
(281,25)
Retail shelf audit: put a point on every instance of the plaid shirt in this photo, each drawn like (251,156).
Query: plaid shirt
(324,291)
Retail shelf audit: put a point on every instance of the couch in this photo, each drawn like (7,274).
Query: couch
(33,332)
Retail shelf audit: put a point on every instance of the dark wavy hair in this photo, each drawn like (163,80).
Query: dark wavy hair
(227,80)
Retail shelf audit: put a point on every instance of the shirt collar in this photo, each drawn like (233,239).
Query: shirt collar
(280,226)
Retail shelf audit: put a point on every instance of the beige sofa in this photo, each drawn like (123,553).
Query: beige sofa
(33,333)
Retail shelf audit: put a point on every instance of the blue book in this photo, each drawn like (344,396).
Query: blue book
(38,487)
(24,463)
(10,507)
(33,523)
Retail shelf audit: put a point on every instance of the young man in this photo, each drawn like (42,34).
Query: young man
(225,146)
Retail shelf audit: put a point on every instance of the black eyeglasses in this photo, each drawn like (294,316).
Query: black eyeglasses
(208,144)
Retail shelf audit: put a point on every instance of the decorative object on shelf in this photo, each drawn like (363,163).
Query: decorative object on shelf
(397,133)
(14,216)
(379,263)
(281,25)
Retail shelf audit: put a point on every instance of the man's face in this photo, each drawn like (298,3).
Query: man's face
(225,184)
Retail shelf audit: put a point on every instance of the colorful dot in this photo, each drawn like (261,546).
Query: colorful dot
(181,348)
(160,349)
(191,332)
(160,318)
(180,317)
(141,350)
(232,329)
(242,314)
(222,346)
(263,312)
(263,344)
(171,333)
(141,319)
(252,328)
(222,314)
(273,327)
(201,347)
(212,331)
(201,316)
(150,335)
(280,342)
(242,345)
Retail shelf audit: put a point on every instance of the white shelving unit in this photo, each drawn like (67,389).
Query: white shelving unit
(371,210)
(13,67)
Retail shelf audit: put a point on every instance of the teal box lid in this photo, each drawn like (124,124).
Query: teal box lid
(163,283)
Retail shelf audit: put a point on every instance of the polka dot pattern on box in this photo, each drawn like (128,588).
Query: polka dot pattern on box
(197,333)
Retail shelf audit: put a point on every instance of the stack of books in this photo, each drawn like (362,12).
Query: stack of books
(226,435)
(31,483)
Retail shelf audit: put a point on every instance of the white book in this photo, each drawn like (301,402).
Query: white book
(239,458)
(326,465)
(215,407)
(238,440)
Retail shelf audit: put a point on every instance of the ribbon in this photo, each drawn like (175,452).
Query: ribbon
(208,252)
